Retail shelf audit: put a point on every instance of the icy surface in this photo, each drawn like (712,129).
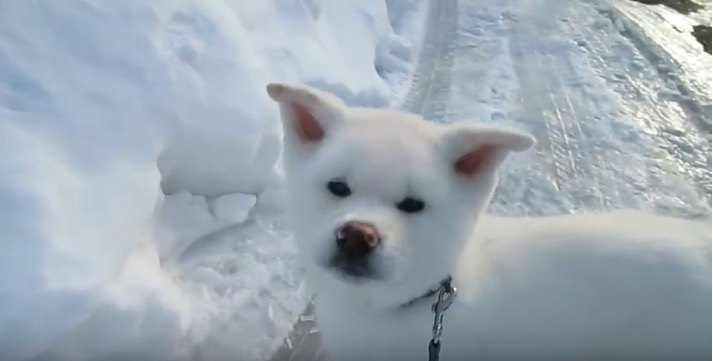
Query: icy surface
(615,127)
(667,36)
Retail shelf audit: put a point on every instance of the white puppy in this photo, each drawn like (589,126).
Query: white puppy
(385,205)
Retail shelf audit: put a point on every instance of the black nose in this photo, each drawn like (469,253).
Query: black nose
(357,239)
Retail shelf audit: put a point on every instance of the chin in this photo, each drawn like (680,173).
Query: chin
(353,272)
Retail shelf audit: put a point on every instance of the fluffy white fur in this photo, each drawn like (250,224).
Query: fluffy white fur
(619,286)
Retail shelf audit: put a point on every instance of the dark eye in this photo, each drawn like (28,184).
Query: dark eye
(411,205)
(339,188)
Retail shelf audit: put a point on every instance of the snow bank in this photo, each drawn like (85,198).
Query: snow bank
(139,191)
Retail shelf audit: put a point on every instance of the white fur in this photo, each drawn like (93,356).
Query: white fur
(619,286)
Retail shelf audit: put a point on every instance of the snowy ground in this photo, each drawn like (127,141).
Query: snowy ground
(141,201)
(616,122)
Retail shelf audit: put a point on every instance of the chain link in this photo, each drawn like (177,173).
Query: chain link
(446,294)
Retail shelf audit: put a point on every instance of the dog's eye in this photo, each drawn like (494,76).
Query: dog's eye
(339,188)
(411,205)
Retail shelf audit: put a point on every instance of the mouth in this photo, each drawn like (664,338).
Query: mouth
(360,270)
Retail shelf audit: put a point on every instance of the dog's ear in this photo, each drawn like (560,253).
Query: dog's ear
(307,114)
(473,149)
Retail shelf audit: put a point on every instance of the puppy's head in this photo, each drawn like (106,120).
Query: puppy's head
(381,199)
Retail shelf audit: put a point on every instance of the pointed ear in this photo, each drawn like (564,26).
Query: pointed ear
(307,114)
(474,149)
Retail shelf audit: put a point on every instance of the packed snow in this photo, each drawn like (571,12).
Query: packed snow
(140,190)
(140,185)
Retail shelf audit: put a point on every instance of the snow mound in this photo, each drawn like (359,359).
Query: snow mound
(140,188)
(233,208)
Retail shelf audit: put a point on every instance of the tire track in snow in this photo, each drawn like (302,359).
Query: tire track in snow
(552,105)
(614,135)
(613,131)
(430,84)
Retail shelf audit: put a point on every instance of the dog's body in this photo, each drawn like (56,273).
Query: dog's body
(384,205)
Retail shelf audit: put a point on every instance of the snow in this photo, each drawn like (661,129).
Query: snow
(613,130)
(141,191)
(668,36)
(140,186)
(233,208)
